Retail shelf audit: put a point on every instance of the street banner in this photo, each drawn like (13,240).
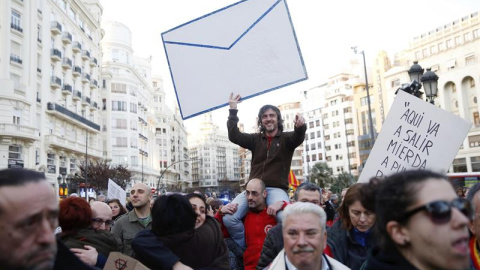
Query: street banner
(116,192)
(247,48)
(415,135)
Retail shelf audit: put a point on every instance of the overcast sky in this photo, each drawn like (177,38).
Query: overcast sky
(326,31)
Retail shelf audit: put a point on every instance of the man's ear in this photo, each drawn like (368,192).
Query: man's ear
(265,193)
(398,232)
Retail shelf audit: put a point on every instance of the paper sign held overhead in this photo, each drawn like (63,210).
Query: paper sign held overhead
(415,135)
(116,192)
(247,48)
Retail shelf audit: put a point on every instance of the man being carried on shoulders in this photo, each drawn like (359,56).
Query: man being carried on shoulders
(272,151)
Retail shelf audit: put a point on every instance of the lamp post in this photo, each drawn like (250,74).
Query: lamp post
(165,170)
(372,134)
(143,154)
(429,80)
(63,185)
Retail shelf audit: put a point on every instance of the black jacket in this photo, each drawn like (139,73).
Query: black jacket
(330,210)
(272,245)
(272,165)
(378,259)
(65,259)
(345,249)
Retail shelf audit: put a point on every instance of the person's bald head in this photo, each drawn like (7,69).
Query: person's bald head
(140,195)
(256,195)
(101,215)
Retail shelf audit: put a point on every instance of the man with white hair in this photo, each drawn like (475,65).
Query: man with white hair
(305,238)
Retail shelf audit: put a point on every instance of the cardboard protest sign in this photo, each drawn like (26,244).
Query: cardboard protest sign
(247,48)
(116,192)
(415,135)
(119,261)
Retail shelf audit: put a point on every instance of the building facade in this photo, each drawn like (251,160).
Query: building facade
(49,85)
(217,161)
(452,51)
(128,114)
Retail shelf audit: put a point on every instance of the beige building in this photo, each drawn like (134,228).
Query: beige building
(49,84)
(452,51)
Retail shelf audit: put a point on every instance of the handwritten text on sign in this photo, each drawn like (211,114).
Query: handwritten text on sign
(415,135)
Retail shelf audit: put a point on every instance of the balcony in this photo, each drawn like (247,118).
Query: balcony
(85,101)
(39,71)
(94,61)
(77,71)
(55,55)
(77,95)
(15,59)
(76,47)
(74,146)
(141,120)
(67,38)
(93,84)
(85,77)
(16,27)
(71,116)
(85,55)
(55,82)
(19,131)
(66,63)
(67,89)
(142,137)
(39,98)
(56,28)
(94,106)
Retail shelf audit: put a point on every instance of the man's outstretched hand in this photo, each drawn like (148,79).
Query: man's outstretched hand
(299,121)
(234,100)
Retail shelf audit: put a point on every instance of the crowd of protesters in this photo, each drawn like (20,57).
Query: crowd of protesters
(412,220)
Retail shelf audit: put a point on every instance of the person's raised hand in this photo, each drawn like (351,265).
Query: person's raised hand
(229,208)
(299,121)
(234,100)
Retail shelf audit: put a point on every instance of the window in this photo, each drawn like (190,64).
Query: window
(15,152)
(349,109)
(317,123)
(133,107)
(425,52)
(433,49)
(458,40)
(310,125)
(37,156)
(39,33)
(120,123)
(441,46)
(120,142)
(364,100)
(119,106)
(313,146)
(120,88)
(418,55)
(474,141)
(476,33)
(16,21)
(319,133)
(475,163)
(73,164)
(449,44)
(63,5)
(312,135)
(72,14)
(470,60)
(460,165)
(319,144)
(17,115)
(51,168)
(63,162)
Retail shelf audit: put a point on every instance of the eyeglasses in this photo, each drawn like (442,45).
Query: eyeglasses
(440,212)
(99,222)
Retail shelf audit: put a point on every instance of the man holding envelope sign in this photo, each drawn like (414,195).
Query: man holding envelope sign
(272,151)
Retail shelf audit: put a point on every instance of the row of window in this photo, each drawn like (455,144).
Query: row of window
(448,44)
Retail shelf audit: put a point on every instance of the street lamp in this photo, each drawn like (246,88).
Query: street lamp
(144,154)
(63,185)
(429,80)
(372,134)
(165,170)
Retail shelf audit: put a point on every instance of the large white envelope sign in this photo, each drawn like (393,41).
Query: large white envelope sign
(416,135)
(247,48)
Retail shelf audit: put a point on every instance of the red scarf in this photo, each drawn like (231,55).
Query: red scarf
(474,253)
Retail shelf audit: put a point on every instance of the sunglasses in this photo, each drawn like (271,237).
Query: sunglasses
(440,212)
